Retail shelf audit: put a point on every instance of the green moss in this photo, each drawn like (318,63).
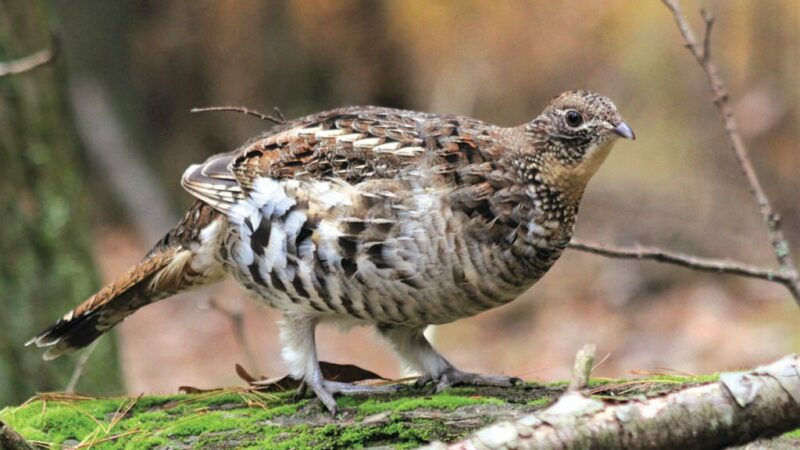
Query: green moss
(150,422)
(419,432)
(539,402)
(684,379)
(299,437)
(793,434)
(462,391)
(399,434)
(281,410)
(236,418)
(203,422)
(440,401)
(208,419)
(597,382)
(63,424)
(155,401)
(150,442)
(58,421)
(31,433)
(221,399)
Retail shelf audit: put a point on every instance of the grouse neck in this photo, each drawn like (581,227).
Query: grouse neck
(570,178)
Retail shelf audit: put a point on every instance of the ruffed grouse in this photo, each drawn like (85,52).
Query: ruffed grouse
(368,215)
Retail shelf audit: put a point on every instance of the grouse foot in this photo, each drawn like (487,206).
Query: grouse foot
(453,377)
(325,389)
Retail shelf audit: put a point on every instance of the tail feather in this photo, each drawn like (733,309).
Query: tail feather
(162,273)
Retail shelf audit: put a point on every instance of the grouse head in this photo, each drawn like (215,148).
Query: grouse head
(571,138)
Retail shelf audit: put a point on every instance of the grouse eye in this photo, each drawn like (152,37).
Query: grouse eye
(574,118)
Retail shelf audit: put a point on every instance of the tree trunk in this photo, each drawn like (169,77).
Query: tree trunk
(45,261)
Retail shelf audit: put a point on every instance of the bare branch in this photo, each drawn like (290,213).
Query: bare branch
(29,62)
(708,19)
(787,274)
(78,370)
(701,52)
(280,120)
(719,266)
(279,113)
(237,321)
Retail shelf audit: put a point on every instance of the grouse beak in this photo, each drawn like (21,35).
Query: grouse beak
(624,130)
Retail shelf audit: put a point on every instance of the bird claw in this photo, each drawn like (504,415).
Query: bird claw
(422,381)
(325,389)
(301,392)
(454,377)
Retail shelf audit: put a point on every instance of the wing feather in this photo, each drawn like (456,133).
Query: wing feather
(219,189)
(350,144)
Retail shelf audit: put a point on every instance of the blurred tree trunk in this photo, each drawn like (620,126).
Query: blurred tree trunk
(45,260)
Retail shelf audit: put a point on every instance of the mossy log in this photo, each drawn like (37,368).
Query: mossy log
(737,409)
(243,418)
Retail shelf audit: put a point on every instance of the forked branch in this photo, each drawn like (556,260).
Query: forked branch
(719,266)
(701,53)
(787,274)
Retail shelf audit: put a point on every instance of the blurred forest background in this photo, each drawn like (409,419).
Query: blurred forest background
(93,147)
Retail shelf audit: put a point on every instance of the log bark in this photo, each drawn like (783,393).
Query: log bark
(11,440)
(740,408)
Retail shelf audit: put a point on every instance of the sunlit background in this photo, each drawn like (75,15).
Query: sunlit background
(135,69)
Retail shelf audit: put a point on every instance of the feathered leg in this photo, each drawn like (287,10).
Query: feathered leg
(300,353)
(412,346)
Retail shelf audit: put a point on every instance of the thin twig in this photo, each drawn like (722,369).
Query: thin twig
(708,20)
(241,109)
(599,363)
(279,113)
(108,438)
(684,260)
(30,62)
(122,412)
(78,370)
(719,266)
(237,320)
(702,53)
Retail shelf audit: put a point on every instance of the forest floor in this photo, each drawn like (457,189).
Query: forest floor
(241,417)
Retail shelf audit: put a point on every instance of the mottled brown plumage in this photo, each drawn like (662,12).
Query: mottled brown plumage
(370,215)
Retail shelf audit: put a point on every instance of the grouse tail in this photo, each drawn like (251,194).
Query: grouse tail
(169,268)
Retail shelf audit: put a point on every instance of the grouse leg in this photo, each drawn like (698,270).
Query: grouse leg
(410,343)
(300,352)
